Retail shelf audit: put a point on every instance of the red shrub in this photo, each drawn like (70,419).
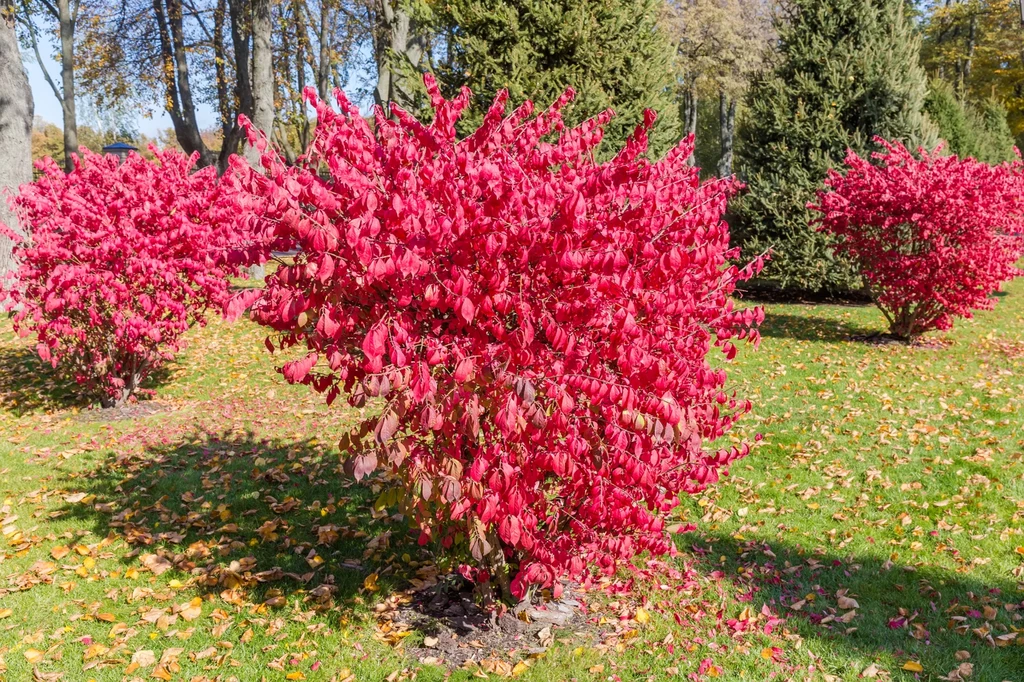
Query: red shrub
(534,325)
(120,262)
(933,236)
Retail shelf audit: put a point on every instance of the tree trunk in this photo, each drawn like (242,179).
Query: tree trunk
(233,133)
(323,75)
(262,76)
(972,38)
(727,132)
(262,89)
(396,43)
(690,116)
(177,86)
(16,110)
(67,77)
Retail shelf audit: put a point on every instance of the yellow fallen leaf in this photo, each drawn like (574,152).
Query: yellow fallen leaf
(913,666)
(6,613)
(95,650)
(33,655)
(106,617)
(295,675)
(370,583)
(519,669)
(597,669)
(642,617)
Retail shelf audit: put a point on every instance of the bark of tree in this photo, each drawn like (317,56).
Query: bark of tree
(177,84)
(262,76)
(16,111)
(690,115)
(67,20)
(262,88)
(727,132)
(323,73)
(965,63)
(396,41)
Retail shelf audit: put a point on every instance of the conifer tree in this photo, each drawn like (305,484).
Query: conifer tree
(846,70)
(612,52)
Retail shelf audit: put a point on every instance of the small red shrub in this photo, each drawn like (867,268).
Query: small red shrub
(934,236)
(120,261)
(534,325)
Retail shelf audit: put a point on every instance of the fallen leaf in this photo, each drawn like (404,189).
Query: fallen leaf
(913,666)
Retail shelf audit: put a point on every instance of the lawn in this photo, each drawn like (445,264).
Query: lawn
(875,531)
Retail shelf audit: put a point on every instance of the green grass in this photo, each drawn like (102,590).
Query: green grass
(894,473)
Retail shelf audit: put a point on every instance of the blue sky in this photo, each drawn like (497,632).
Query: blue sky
(48,107)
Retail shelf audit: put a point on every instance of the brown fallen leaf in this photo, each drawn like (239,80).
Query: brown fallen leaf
(192,610)
(155,563)
(870,672)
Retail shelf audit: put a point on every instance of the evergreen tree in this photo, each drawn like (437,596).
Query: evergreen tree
(612,52)
(847,70)
(957,129)
(981,132)
(998,141)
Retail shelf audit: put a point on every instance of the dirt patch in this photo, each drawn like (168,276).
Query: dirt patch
(457,632)
(125,412)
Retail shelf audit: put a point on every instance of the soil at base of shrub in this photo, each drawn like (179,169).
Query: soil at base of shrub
(458,633)
(137,410)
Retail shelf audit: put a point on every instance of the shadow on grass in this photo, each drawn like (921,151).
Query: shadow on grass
(27,384)
(926,614)
(810,328)
(271,520)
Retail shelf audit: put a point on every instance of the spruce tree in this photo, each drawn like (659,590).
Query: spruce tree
(997,138)
(957,129)
(846,70)
(612,52)
(978,131)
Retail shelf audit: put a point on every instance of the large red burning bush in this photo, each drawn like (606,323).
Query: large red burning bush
(934,236)
(120,261)
(531,327)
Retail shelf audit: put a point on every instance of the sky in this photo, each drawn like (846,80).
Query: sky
(48,107)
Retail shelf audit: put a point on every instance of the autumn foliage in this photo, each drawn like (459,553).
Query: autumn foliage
(120,262)
(531,327)
(934,236)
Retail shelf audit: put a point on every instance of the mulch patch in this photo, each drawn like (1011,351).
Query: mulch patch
(457,632)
